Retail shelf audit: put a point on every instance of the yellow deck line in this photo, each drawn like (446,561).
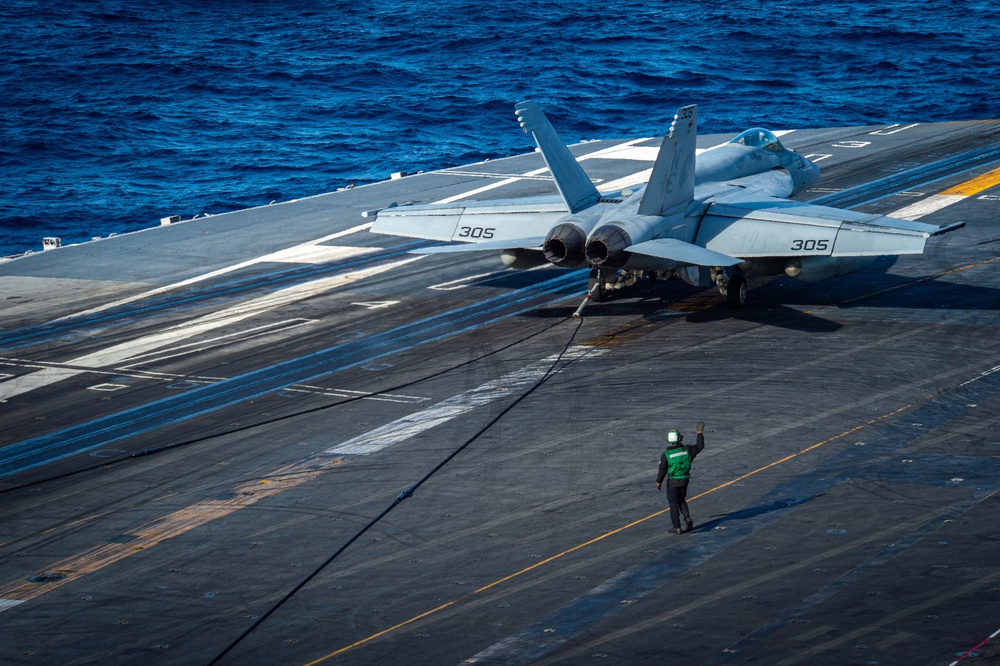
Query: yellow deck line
(975,185)
(619,530)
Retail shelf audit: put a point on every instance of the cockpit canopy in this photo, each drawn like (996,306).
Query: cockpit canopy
(759,137)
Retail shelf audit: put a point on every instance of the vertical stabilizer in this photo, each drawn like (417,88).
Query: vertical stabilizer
(574,185)
(671,185)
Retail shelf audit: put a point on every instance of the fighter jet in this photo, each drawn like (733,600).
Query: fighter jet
(714,219)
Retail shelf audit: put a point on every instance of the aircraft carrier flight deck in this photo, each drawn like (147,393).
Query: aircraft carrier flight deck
(273,437)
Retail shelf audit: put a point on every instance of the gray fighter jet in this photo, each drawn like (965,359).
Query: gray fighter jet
(713,220)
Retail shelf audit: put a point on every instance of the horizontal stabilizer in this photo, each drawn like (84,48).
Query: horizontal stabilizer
(517,243)
(683,253)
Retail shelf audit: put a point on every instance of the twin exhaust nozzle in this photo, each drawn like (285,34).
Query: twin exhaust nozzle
(567,245)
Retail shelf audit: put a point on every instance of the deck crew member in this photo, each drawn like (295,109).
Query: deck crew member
(675,465)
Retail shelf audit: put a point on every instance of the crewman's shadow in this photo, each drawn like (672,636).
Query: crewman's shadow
(752,512)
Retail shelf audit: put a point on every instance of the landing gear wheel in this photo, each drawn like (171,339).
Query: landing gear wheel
(736,291)
(598,295)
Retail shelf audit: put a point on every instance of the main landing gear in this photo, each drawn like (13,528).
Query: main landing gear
(733,287)
(602,284)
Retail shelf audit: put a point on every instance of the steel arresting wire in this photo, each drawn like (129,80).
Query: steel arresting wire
(406,494)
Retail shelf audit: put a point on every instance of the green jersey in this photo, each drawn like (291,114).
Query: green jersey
(678,463)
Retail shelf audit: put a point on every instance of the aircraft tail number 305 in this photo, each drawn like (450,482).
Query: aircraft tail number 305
(810,245)
(476,232)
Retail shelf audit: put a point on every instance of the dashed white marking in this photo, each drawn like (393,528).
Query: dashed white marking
(886,131)
(491,186)
(346,393)
(108,387)
(314,254)
(435,415)
(461,283)
(376,305)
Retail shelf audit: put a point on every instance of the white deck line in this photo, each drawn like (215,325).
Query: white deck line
(281,256)
(118,354)
(931,204)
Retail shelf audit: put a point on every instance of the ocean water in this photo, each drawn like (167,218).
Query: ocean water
(115,114)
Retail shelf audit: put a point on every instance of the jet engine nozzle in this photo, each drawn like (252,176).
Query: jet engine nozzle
(607,246)
(565,245)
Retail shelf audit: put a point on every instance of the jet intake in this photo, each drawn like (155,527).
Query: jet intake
(607,246)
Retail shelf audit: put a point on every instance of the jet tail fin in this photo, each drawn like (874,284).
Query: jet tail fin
(574,185)
(671,184)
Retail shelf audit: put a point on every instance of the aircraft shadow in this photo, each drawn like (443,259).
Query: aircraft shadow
(772,299)
(875,288)
(651,302)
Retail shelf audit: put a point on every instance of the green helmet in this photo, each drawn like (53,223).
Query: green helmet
(674,436)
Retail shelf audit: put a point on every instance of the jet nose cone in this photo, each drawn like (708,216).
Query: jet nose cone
(607,246)
(565,245)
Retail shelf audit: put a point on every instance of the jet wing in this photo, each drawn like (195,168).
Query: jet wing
(773,227)
(474,222)
(681,252)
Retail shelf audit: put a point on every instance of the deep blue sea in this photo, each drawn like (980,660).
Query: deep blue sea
(114,114)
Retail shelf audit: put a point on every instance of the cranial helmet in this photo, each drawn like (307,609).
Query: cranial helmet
(674,436)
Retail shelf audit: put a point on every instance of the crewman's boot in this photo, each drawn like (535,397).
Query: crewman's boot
(689,524)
